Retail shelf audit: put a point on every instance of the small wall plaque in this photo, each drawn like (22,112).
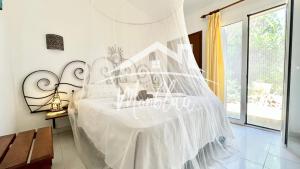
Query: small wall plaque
(54,42)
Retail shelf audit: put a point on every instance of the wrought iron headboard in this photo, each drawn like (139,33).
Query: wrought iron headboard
(46,87)
(40,100)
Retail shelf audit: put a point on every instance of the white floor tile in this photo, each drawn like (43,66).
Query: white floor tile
(255,154)
(252,148)
(58,165)
(57,162)
(69,153)
(263,136)
(254,144)
(65,152)
(294,145)
(275,162)
(282,152)
(243,164)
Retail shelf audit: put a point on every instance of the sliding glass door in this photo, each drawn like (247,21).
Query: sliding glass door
(266,68)
(232,39)
(254,56)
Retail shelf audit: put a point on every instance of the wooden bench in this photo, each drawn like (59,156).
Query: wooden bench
(27,150)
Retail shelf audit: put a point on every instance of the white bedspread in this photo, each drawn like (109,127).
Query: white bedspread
(149,138)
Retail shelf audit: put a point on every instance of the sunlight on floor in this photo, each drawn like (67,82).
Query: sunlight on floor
(261,115)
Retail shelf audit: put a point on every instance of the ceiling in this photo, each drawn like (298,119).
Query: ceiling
(194,5)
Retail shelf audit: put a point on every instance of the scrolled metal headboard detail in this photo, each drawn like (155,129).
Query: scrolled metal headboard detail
(47,83)
(38,97)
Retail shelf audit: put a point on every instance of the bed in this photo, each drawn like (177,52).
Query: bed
(173,129)
(178,124)
(145,137)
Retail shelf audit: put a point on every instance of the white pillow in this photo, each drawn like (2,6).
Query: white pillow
(102,91)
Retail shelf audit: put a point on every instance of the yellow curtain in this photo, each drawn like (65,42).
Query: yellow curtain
(214,56)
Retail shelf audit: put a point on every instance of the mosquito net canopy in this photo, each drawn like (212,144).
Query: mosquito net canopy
(144,102)
(136,11)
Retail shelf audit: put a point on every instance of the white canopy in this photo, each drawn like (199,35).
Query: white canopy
(145,103)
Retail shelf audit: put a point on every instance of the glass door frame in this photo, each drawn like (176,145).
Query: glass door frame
(244,74)
(247,71)
(288,64)
(243,108)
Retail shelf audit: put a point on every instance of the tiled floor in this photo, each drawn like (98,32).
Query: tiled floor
(258,149)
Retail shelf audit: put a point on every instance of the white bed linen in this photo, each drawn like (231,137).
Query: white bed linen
(133,103)
(127,137)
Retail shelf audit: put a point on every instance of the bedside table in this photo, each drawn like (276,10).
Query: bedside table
(55,115)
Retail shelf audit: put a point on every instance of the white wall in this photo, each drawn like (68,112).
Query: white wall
(85,37)
(234,14)
(294,107)
(29,21)
(7,94)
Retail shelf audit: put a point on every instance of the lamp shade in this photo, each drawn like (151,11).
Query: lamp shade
(56,103)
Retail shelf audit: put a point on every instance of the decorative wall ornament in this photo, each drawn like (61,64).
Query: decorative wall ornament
(54,42)
(115,54)
(116,57)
